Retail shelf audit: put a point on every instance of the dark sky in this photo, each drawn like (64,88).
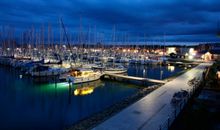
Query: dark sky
(179,20)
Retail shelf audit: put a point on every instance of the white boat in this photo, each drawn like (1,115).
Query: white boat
(83,75)
(124,60)
(46,71)
(115,70)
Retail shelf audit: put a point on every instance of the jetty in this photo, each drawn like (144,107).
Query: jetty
(154,111)
(126,77)
(182,63)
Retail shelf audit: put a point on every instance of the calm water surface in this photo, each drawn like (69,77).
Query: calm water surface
(26,105)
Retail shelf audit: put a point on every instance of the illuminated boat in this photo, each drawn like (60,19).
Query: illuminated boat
(83,75)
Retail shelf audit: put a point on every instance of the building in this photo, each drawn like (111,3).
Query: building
(212,54)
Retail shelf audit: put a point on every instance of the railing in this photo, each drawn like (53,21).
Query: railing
(195,83)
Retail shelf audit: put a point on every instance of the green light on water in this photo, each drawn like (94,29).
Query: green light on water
(51,87)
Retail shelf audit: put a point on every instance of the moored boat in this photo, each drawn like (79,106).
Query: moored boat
(83,75)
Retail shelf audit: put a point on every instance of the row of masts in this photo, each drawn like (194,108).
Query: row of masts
(45,38)
(37,37)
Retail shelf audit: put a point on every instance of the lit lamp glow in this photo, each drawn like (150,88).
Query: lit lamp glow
(124,50)
(171,50)
(192,53)
(190,57)
(218,75)
(135,51)
(171,68)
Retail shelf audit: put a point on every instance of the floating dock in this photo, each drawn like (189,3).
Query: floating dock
(134,78)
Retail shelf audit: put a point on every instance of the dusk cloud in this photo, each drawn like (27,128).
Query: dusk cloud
(179,20)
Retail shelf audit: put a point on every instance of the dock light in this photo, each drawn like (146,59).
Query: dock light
(135,51)
(171,68)
(160,52)
(192,52)
(20,76)
(190,57)
(218,74)
(171,50)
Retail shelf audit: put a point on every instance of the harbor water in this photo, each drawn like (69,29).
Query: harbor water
(27,105)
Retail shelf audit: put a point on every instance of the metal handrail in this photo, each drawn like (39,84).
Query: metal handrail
(172,116)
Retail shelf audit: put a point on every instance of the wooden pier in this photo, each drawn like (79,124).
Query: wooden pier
(135,78)
(182,63)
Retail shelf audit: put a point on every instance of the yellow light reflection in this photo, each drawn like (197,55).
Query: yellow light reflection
(83,91)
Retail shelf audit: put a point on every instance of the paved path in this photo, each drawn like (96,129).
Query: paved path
(152,110)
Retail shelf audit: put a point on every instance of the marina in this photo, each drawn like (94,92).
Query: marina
(109,65)
(74,90)
(58,104)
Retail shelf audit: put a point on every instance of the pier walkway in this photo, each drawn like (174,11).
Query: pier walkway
(135,78)
(155,108)
(182,63)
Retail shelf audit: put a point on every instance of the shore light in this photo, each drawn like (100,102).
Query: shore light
(190,57)
(218,74)
(135,51)
(171,68)
(192,52)
(171,50)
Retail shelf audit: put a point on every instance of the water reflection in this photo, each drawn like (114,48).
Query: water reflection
(28,105)
(86,88)
(154,72)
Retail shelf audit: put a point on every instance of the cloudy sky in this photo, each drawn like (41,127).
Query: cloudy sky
(177,20)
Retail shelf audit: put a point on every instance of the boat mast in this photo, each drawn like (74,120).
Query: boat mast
(48,36)
(64,29)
